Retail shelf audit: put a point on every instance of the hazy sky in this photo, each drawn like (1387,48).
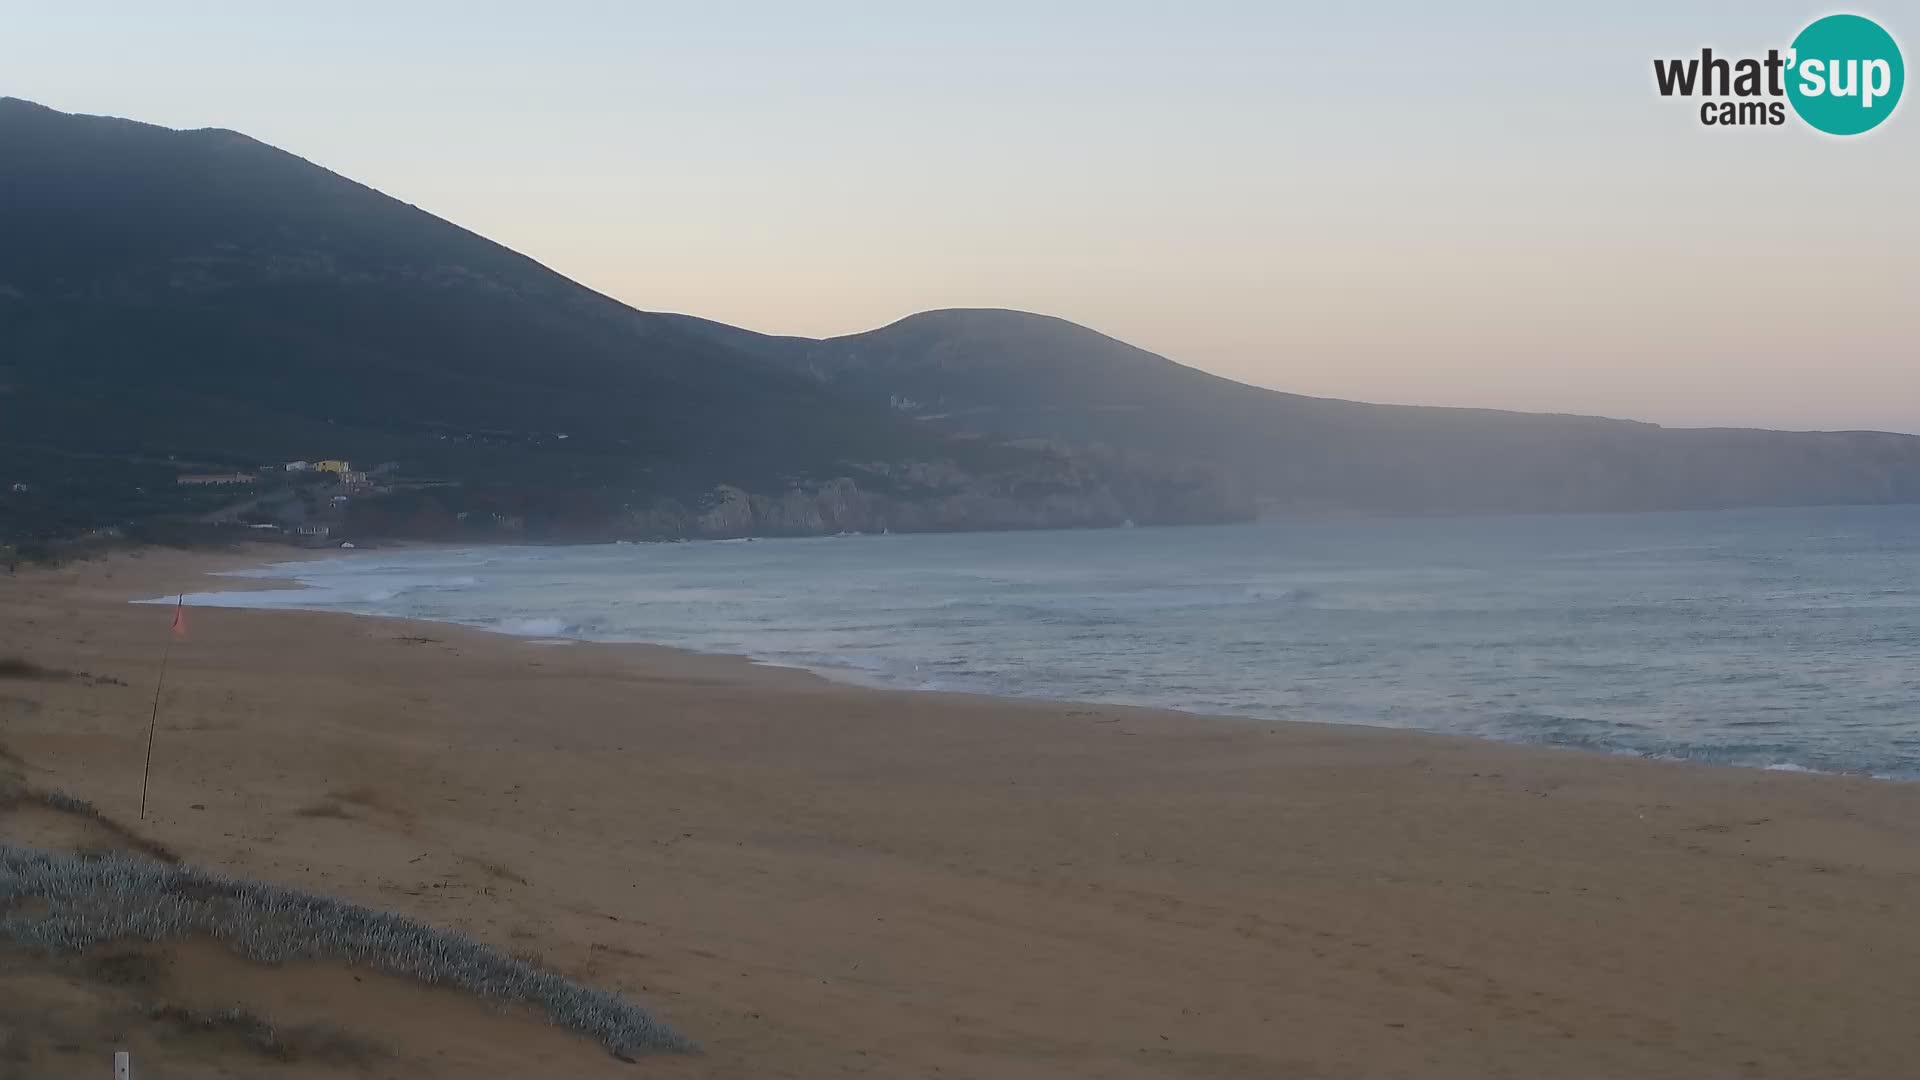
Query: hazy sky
(1409,202)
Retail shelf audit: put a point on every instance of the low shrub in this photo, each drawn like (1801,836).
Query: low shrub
(87,902)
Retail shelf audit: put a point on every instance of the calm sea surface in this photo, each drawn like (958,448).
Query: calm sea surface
(1782,638)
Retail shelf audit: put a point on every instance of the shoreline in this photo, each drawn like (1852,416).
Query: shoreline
(809,878)
(245,581)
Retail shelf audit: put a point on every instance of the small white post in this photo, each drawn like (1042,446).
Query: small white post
(122,1065)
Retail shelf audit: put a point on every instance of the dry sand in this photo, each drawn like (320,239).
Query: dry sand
(816,880)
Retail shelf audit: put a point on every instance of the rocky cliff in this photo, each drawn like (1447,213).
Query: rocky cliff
(1063,493)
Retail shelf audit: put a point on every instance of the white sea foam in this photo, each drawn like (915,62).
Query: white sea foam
(534,628)
(251,598)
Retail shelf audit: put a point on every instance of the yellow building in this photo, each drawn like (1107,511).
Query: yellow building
(332,466)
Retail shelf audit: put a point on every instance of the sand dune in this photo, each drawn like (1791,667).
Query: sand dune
(811,879)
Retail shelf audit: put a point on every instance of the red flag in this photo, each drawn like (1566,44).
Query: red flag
(180,616)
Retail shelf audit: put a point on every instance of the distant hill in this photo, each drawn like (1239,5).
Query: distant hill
(153,281)
(1018,375)
(198,301)
(201,297)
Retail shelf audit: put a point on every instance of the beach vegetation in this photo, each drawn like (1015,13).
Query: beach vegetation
(14,794)
(304,1042)
(19,667)
(61,903)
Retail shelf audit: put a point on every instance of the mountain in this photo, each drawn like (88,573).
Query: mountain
(175,299)
(198,301)
(1014,375)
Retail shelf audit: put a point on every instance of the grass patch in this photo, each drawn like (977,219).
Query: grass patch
(19,667)
(127,968)
(305,1042)
(12,795)
(497,871)
(96,901)
(70,804)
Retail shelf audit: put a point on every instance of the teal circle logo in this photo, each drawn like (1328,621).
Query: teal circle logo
(1846,75)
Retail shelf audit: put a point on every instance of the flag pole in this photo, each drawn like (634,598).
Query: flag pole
(153,719)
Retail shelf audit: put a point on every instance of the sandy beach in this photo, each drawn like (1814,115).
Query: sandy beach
(812,879)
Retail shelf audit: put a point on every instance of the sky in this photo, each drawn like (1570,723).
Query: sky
(1458,204)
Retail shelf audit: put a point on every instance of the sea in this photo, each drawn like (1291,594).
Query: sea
(1774,638)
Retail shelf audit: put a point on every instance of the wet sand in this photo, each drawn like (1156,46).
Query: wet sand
(813,879)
